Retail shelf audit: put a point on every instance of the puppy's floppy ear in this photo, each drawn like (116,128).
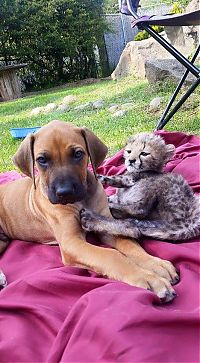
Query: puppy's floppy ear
(24,157)
(96,149)
(169,151)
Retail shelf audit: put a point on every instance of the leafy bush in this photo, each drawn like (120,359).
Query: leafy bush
(110,6)
(145,35)
(57,38)
(176,8)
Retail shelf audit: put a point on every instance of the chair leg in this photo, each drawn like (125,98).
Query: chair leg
(171,101)
(179,104)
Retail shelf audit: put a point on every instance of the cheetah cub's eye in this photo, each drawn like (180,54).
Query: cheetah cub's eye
(128,151)
(144,154)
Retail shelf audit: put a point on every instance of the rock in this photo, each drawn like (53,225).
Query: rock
(98,104)
(192,31)
(63,108)
(155,104)
(113,108)
(127,106)
(136,53)
(133,57)
(119,113)
(36,111)
(158,70)
(50,107)
(185,38)
(69,99)
(84,106)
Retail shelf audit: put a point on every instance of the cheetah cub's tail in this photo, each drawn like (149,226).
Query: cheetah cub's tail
(165,231)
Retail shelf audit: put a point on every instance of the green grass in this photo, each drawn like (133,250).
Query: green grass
(113,131)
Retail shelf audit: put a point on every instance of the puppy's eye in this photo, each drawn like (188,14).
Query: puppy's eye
(128,151)
(144,154)
(42,160)
(78,154)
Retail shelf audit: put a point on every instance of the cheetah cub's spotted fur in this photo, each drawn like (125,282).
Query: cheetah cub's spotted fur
(148,202)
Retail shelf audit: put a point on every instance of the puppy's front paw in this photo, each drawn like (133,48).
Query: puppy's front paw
(162,268)
(151,281)
(3,282)
(88,220)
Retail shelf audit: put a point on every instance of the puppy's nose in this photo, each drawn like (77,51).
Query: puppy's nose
(64,190)
(132,161)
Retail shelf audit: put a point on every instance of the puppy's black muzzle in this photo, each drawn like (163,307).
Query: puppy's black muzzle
(66,191)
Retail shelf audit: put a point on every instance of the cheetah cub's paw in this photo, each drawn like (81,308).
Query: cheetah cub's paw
(88,220)
(102,178)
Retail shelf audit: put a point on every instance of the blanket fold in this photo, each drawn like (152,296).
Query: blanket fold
(53,313)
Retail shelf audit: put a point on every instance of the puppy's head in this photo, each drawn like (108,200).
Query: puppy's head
(60,151)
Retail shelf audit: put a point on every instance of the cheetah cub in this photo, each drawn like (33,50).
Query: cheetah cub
(148,202)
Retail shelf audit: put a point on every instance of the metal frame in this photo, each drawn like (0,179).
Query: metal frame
(190,67)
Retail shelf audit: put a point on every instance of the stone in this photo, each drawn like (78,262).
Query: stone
(192,31)
(113,108)
(50,107)
(69,99)
(119,113)
(136,53)
(127,106)
(155,104)
(159,70)
(185,38)
(98,104)
(36,111)
(63,108)
(84,106)
(133,57)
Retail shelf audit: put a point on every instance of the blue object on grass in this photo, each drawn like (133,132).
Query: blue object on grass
(21,132)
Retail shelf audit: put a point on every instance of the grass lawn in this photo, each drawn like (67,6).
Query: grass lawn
(113,131)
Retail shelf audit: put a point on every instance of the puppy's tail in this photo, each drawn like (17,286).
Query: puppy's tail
(166,231)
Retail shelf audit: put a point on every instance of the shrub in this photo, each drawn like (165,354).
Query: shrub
(57,38)
(145,35)
(176,8)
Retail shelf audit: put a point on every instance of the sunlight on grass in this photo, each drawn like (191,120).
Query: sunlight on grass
(113,131)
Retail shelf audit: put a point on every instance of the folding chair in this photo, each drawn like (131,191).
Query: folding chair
(129,7)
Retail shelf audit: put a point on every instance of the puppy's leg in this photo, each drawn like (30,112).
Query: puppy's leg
(131,248)
(76,251)
(162,273)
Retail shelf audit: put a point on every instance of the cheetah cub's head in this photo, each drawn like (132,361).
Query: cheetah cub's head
(147,152)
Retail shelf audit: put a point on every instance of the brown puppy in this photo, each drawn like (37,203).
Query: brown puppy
(46,208)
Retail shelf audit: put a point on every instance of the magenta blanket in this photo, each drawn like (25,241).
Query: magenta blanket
(50,313)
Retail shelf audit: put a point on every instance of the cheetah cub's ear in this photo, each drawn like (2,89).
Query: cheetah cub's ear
(169,151)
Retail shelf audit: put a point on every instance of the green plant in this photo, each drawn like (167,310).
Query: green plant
(145,35)
(110,6)
(176,8)
(141,35)
(57,38)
